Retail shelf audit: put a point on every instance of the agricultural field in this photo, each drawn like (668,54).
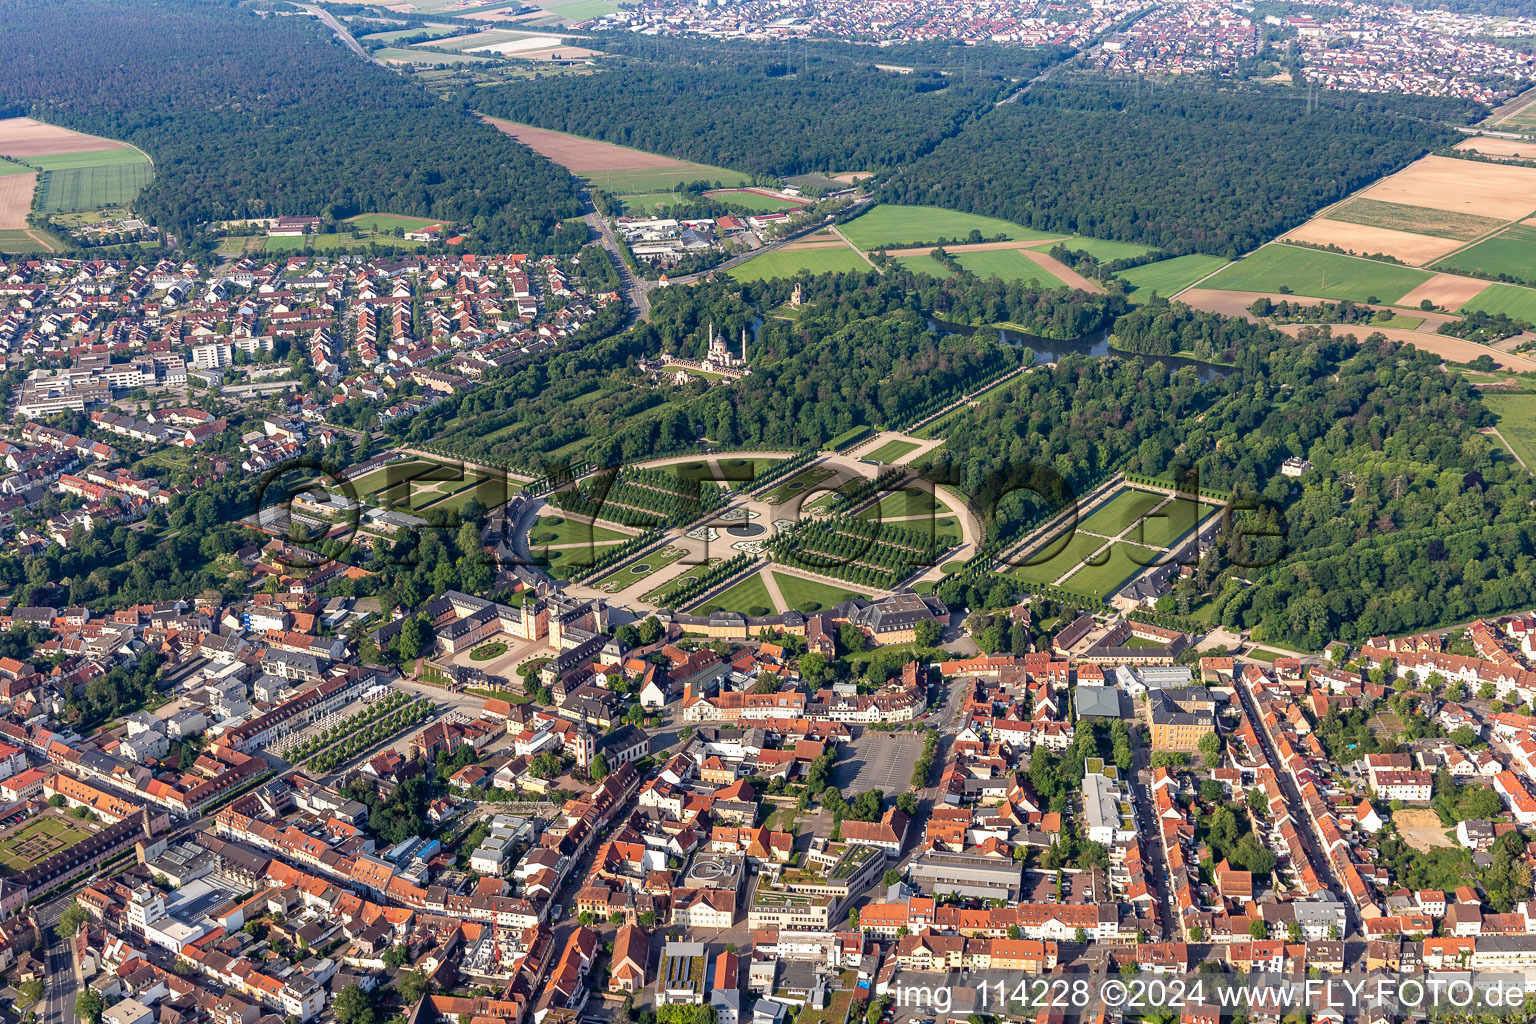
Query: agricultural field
(38,839)
(1357,239)
(1166,277)
(22,138)
(757,202)
(1512,252)
(1517,421)
(12,167)
(749,597)
(924,265)
(888,226)
(405,33)
(1008,265)
(73,171)
(616,169)
(805,595)
(794,262)
(1518,302)
(116,183)
(16,192)
(1417,220)
(1312,273)
(1500,191)
(396,55)
(1101,249)
(18,240)
(891,451)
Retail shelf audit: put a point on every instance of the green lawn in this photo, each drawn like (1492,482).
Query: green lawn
(1123,562)
(560,530)
(490,491)
(754,201)
(749,597)
(1517,421)
(394,473)
(892,450)
(909,501)
(1397,320)
(1172,521)
(890,227)
(647,204)
(1518,302)
(1260,654)
(924,265)
(564,561)
(740,473)
(389,221)
(1101,249)
(1314,273)
(794,262)
(39,839)
(1511,252)
(1123,510)
(1166,277)
(1056,558)
(798,483)
(1008,265)
(662,595)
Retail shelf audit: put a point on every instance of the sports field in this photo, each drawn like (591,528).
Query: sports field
(647,203)
(1166,277)
(1512,299)
(1007,265)
(1511,252)
(388,222)
(749,597)
(38,839)
(889,226)
(811,595)
(1517,422)
(757,202)
(1417,219)
(1318,274)
(892,450)
(794,262)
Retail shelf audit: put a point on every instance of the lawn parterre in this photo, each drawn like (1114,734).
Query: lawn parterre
(749,597)
(892,450)
(38,839)
(1123,562)
(662,595)
(801,482)
(805,595)
(1313,272)
(1123,509)
(1056,559)
(889,227)
(642,568)
(907,502)
(556,529)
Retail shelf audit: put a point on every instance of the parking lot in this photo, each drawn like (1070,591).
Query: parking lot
(879,760)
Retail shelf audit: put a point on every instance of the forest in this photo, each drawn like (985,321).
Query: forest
(1179,167)
(767,111)
(270,115)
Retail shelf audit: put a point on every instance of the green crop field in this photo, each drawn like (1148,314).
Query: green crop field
(1517,422)
(404,33)
(1008,265)
(805,595)
(1101,249)
(560,530)
(890,227)
(18,241)
(1124,561)
(749,597)
(794,262)
(662,179)
(93,158)
(1518,302)
(1166,277)
(924,265)
(1419,220)
(411,55)
(1314,273)
(12,167)
(754,201)
(389,221)
(1511,252)
(1123,510)
(92,186)
(892,450)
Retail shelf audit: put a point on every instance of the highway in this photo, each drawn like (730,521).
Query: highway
(330,22)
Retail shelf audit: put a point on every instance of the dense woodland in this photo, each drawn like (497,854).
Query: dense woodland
(246,116)
(773,111)
(1181,167)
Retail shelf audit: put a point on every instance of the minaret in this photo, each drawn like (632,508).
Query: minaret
(743,346)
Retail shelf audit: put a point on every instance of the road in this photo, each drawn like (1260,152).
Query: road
(637,292)
(59,1000)
(1148,829)
(330,22)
